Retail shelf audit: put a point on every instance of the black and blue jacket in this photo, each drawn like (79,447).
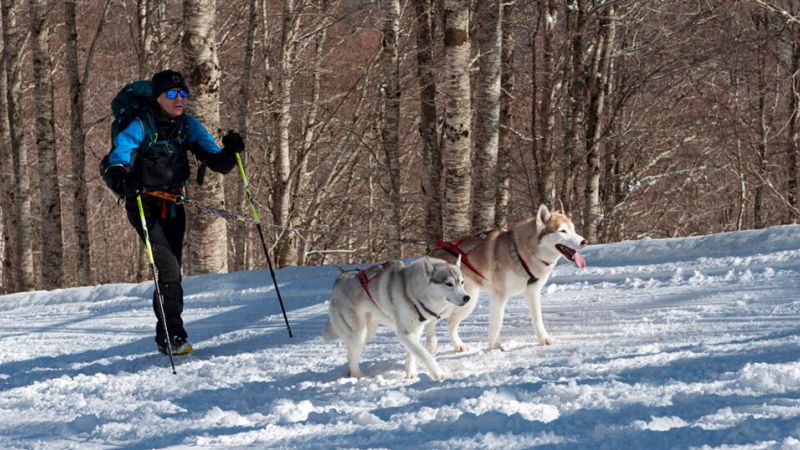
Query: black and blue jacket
(154,149)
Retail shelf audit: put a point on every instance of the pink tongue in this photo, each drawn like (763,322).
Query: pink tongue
(578,260)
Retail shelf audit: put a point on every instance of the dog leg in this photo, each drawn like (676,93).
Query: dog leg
(431,343)
(533,298)
(497,308)
(460,313)
(410,339)
(355,345)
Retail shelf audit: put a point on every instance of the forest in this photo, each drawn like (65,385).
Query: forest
(375,128)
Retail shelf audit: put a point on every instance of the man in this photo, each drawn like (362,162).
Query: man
(152,154)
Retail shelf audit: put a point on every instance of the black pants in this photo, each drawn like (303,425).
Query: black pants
(166,225)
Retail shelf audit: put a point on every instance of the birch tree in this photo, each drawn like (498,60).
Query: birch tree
(390,133)
(239,256)
(50,192)
(208,243)
(7,210)
(544,155)
(600,86)
(456,219)
(506,119)
(23,234)
(431,151)
(77,87)
(281,196)
(488,16)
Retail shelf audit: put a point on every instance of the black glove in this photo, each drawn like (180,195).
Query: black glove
(232,142)
(116,178)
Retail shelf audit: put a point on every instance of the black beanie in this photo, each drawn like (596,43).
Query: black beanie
(166,80)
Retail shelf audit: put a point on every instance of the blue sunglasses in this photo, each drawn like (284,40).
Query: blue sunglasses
(172,95)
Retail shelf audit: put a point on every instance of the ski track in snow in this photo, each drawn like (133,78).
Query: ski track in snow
(674,343)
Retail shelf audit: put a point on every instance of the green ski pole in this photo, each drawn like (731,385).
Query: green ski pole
(154,272)
(257,220)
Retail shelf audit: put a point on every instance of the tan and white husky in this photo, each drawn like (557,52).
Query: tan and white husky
(505,263)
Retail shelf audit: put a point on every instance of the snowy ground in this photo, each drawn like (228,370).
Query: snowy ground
(662,344)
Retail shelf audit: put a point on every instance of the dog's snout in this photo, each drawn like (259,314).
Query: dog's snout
(584,243)
(466,298)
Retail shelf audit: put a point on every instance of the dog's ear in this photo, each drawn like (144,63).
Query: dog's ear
(543,216)
(561,207)
(458,261)
(428,267)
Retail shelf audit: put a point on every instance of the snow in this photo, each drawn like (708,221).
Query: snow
(674,343)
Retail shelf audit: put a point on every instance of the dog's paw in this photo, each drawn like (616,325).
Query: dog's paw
(441,376)
(547,340)
(410,374)
(460,348)
(351,374)
(495,346)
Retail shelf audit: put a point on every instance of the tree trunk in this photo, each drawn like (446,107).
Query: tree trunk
(546,159)
(239,257)
(489,40)
(506,144)
(24,227)
(208,243)
(456,219)
(390,134)
(431,152)
(576,77)
(9,218)
(793,131)
(50,192)
(80,203)
(281,197)
(600,87)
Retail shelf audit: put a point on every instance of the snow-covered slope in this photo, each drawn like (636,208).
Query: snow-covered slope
(672,343)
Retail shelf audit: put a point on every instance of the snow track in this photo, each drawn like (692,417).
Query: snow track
(674,343)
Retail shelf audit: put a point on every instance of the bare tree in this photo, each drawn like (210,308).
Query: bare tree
(24,226)
(7,209)
(77,88)
(238,255)
(431,152)
(488,16)
(390,134)
(456,219)
(600,86)
(208,240)
(50,192)
(281,189)
(544,154)
(506,119)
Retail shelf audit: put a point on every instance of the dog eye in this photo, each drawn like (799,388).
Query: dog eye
(564,231)
(449,284)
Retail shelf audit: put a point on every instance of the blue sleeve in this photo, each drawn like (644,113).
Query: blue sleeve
(199,134)
(127,141)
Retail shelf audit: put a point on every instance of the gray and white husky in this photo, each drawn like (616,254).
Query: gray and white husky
(402,297)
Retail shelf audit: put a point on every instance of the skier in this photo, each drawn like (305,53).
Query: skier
(151,154)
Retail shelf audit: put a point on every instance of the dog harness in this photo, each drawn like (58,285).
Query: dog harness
(531,277)
(455,250)
(427,310)
(364,279)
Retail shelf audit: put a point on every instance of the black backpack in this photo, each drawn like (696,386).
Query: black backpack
(132,101)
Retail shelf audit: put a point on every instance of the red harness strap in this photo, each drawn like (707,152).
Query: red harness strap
(364,279)
(455,250)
